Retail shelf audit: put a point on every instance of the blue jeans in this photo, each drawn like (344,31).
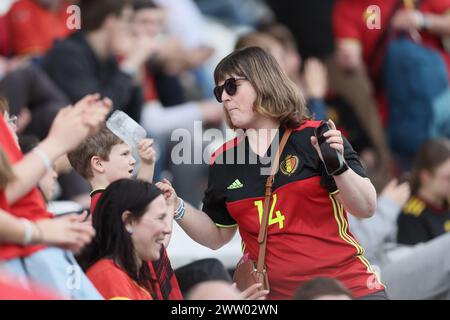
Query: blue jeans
(55,269)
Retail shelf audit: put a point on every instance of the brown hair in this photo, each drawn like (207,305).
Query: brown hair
(6,172)
(276,95)
(319,286)
(431,155)
(95,12)
(4,106)
(99,145)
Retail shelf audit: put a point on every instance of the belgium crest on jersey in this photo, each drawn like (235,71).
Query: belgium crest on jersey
(289,165)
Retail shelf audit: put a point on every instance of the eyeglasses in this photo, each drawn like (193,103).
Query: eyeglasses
(13,121)
(229,86)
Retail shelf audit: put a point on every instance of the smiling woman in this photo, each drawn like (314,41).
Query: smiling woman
(131,221)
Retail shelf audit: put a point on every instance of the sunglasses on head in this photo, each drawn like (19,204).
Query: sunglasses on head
(229,86)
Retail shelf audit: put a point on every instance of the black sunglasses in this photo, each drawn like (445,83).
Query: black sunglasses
(229,86)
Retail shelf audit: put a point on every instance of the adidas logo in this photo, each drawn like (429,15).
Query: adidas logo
(235,185)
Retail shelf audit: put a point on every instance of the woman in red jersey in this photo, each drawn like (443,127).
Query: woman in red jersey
(308,232)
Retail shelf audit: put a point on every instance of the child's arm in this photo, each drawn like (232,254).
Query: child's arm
(147,156)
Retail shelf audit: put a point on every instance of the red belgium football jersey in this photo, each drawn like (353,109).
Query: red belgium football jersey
(308,232)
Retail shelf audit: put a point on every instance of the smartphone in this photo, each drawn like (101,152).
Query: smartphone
(332,159)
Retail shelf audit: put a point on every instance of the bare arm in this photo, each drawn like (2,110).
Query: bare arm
(196,223)
(437,24)
(71,126)
(69,232)
(147,155)
(12,230)
(199,226)
(357,194)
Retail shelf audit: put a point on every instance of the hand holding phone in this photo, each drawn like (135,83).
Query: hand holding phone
(332,158)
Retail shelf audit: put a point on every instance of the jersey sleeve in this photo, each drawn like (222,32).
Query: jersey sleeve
(351,157)
(214,200)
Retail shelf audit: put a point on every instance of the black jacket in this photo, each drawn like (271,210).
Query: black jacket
(75,68)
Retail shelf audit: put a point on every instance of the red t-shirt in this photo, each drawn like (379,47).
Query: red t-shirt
(175,293)
(114,284)
(33,28)
(31,206)
(4,37)
(308,234)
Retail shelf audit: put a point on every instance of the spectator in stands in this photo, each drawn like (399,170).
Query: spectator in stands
(132,221)
(356,43)
(428,263)
(166,107)
(323,289)
(71,126)
(186,22)
(258,95)
(67,232)
(313,83)
(426,215)
(87,62)
(47,184)
(361,44)
(104,159)
(34,25)
(33,97)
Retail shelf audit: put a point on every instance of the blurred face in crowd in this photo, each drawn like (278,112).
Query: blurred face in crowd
(149,21)
(292,62)
(120,164)
(276,50)
(148,233)
(239,106)
(118,29)
(437,182)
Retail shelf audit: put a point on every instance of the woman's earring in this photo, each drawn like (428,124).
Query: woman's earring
(129,229)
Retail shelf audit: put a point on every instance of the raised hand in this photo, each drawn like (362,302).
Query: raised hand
(70,232)
(334,139)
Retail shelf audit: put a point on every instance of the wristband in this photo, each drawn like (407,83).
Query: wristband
(341,170)
(425,23)
(45,159)
(179,213)
(28,236)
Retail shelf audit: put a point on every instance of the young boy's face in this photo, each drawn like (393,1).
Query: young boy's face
(120,164)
